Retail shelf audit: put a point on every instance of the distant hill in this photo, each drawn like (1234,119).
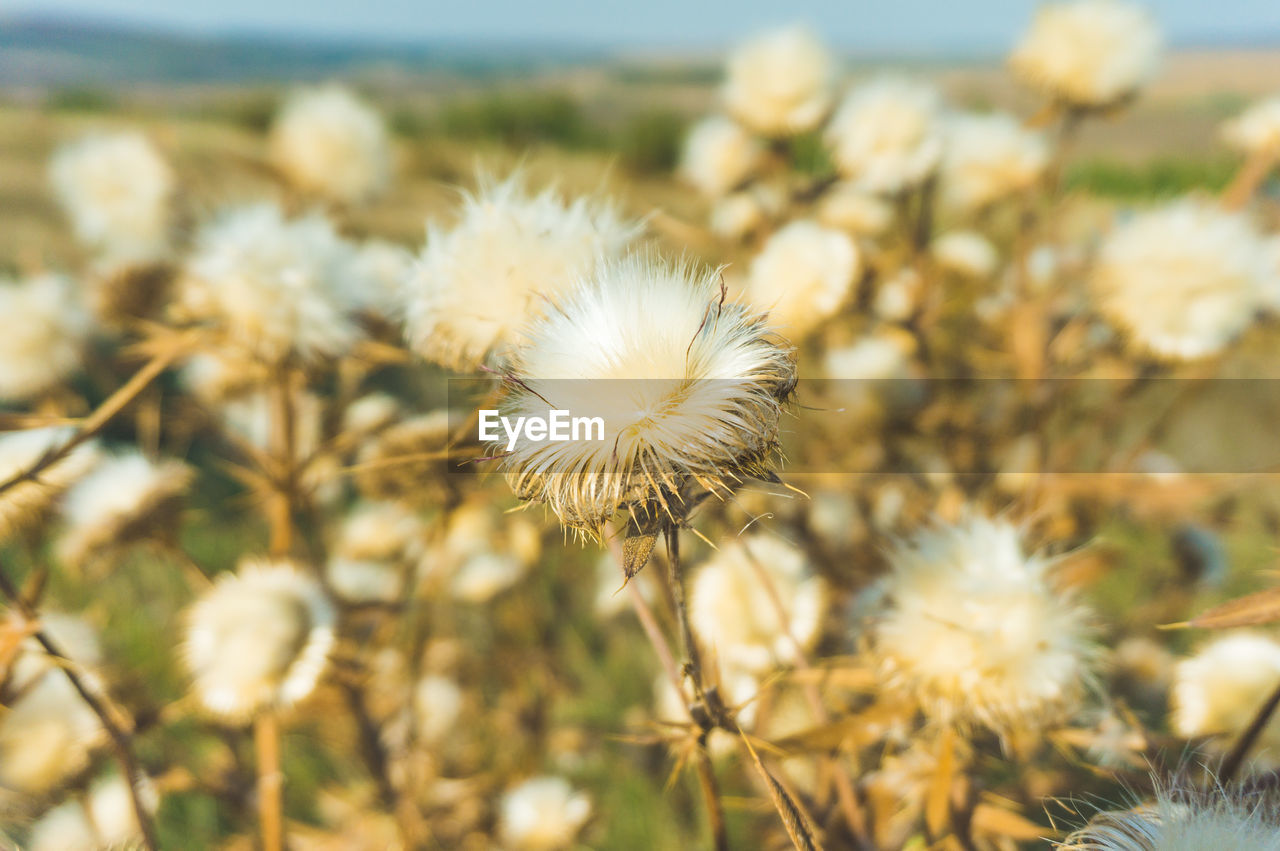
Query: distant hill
(49,52)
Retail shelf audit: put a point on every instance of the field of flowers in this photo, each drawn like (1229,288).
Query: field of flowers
(933,504)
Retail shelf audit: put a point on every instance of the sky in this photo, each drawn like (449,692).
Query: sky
(921,26)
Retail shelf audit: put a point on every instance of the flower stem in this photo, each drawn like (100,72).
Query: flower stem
(266,736)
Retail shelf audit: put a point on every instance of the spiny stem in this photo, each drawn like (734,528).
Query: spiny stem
(121,740)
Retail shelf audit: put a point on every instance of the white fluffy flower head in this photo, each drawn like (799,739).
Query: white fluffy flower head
(754,602)
(802,275)
(116,190)
(1218,691)
(1257,129)
(329,142)
(719,155)
(1088,53)
(1184,280)
(779,83)
(542,814)
(43,330)
(965,252)
(989,158)
(274,285)
(1182,819)
(688,385)
(259,639)
(886,135)
(475,286)
(974,629)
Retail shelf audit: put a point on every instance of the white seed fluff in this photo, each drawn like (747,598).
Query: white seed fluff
(779,83)
(28,501)
(804,273)
(542,814)
(476,285)
(989,158)
(331,143)
(1257,129)
(1217,692)
(1184,280)
(43,330)
(1088,53)
(719,155)
(886,135)
(116,189)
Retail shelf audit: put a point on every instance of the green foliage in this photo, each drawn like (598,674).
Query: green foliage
(80,99)
(1159,178)
(809,155)
(521,119)
(650,141)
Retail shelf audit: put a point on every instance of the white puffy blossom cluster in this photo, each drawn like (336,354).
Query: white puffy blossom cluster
(542,814)
(1088,53)
(29,501)
(329,142)
(477,284)
(779,83)
(117,190)
(989,158)
(719,154)
(1184,279)
(804,273)
(887,134)
(258,640)
(103,818)
(1218,690)
(757,604)
(43,331)
(276,287)
(975,630)
(1257,129)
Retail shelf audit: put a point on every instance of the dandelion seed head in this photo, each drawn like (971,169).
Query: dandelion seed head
(1184,280)
(329,142)
(259,639)
(476,285)
(735,597)
(275,286)
(974,629)
(43,330)
(116,189)
(886,135)
(542,814)
(689,387)
(1088,53)
(989,158)
(779,83)
(719,154)
(804,273)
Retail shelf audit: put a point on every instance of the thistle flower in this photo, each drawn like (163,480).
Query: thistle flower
(886,135)
(965,252)
(43,331)
(374,280)
(542,814)
(718,156)
(1184,820)
(274,286)
(27,503)
(989,158)
(974,629)
(358,581)
(1184,280)
(126,498)
(484,552)
(689,389)
(850,208)
(329,142)
(216,377)
(803,275)
(102,819)
(116,189)
(735,598)
(46,729)
(1088,53)
(739,214)
(779,83)
(260,639)
(475,286)
(1219,689)
(1257,129)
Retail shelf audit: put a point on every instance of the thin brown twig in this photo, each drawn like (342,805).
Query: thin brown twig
(1235,759)
(266,738)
